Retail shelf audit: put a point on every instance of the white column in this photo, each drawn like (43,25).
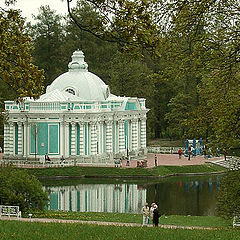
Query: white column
(62,138)
(109,137)
(129,135)
(143,133)
(73,139)
(20,138)
(81,138)
(116,136)
(26,138)
(103,138)
(67,139)
(11,138)
(86,139)
(6,138)
(139,133)
(134,134)
(100,137)
(93,138)
(121,137)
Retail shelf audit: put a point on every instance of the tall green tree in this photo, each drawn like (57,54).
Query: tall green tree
(132,24)
(19,76)
(98,52)
(47,34)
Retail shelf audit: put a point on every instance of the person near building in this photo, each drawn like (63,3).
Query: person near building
(189,153)
(47,158)
(155,216)
(155,160)
(145,212)
(225,154)
(179,153)
(153,206)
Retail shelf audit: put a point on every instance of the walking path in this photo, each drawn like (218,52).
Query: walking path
(51,220)
(165,160)
(172,160)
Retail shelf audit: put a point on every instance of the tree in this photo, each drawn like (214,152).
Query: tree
(181,108)
(202,41)
(17,71)
(213,30)
(19,76)
(228,197)
(19,188)
(98,52)
(47,35)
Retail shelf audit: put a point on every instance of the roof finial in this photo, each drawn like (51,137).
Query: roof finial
(78,63)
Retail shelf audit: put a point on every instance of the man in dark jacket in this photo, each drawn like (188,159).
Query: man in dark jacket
(156,216)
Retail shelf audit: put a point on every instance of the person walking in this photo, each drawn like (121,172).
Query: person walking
(151,211)
(225,154)
(189,153)
(145,212)
(155,216)
(179,153)
(128,161)
(155,160)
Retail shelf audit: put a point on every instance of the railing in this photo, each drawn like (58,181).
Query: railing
(49,106)
(87,161)
(71,106)
(170,150)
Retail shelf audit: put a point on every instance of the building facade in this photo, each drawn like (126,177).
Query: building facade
(76,118)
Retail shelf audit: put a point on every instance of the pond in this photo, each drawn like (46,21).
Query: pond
(174,196)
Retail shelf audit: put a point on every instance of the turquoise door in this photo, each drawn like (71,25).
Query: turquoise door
(45,138)
(53,138)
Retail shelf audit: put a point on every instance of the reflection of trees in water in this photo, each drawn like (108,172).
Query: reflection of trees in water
(187,197)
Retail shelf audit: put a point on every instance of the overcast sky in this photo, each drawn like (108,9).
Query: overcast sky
(29,7)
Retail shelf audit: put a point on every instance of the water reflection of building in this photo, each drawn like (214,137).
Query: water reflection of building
(123,198)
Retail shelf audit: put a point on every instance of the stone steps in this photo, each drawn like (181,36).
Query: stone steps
(232,163)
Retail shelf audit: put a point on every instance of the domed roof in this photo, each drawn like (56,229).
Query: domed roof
(79,82)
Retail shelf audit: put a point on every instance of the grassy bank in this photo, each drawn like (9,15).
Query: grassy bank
(166,142)
(201,221)
(39,231)
(124,172)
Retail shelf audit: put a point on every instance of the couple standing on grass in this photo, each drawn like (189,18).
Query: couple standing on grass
(150,213)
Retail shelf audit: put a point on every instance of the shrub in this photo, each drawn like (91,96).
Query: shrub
(19,188)
(228,197)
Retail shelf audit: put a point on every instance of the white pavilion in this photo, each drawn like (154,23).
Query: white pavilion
(77,118)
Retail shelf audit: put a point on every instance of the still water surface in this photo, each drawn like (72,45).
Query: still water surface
(180,196)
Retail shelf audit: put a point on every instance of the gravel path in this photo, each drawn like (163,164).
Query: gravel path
(171,160)
(51,220)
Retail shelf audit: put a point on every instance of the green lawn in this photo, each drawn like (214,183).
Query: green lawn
(203,221)
(166,142)
(58,231)
(127,172)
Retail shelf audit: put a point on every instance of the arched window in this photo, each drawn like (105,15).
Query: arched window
(70,90)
